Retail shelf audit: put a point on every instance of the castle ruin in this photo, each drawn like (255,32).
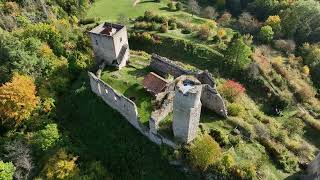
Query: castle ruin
(183,97)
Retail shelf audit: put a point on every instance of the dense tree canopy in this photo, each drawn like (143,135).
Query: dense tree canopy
(301,21)
(17,99)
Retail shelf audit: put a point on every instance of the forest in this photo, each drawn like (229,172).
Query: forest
(264,55)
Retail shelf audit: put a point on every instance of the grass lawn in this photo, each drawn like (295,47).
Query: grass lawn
(112,9)
(128,81)
(100,133)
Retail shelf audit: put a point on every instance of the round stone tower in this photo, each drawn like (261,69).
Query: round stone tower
(186,108)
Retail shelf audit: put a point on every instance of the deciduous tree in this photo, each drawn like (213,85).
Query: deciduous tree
(17,100)
(193,7)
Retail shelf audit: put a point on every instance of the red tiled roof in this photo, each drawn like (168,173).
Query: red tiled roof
(154,83)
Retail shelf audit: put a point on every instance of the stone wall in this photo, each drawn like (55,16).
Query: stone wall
(122,104)
(213,100)
(127,108)
(164,66)
(158,115)
(210,97)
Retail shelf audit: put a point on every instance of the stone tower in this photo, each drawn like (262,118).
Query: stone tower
(110,44)
(186,108)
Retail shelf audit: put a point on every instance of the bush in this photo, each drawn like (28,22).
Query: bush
(220,136)
(203,152)
(171,6)
(179,6)
(87,21)
(287,46)
(163,28)
(47,137)
(149,15)
(266,34)
(6,170)
(235,109)
(209,12)
(231,90)
(61,166)
(173,26)
(205,32)
(154,26)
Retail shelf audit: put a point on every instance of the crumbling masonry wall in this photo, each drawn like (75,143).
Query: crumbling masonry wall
(126,108)
(210,97)
(122,104)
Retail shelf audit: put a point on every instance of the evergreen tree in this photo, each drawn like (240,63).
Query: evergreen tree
(237,55)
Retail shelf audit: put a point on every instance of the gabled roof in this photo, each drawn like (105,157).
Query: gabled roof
(154,83)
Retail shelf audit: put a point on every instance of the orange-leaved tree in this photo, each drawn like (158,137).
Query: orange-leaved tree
(17,100)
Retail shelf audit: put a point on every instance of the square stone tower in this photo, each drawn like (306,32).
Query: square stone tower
(110,44)
(186,108)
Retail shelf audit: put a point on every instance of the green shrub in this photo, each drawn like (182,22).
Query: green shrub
(173,26)
(163,28)
(245,171)
(186,31)
(179,6)
(172,21)
(87,21)
(171,6)
(203,152)
(205,32)
(6,170)
(266,34)
(47,137)
(149,15)
(235,109)
(154,26)
(220,137)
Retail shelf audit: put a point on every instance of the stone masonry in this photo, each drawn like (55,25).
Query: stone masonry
(186,108)
(210,97)
(110,44)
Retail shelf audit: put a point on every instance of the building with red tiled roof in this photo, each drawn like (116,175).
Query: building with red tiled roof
(154,83)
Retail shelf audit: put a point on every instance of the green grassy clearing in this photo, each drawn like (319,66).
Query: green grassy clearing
(110,10)
(128,81)
(101,133)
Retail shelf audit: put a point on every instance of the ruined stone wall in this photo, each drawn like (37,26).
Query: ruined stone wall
(210,97)
(122,104)
(127,108)
(164,66)
(206,78)
(213,100)
(158,115)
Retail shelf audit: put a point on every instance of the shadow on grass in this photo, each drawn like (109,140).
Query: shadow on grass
(310,133)
(101,133)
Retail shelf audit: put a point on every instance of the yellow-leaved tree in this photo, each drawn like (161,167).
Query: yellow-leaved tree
(17,100)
